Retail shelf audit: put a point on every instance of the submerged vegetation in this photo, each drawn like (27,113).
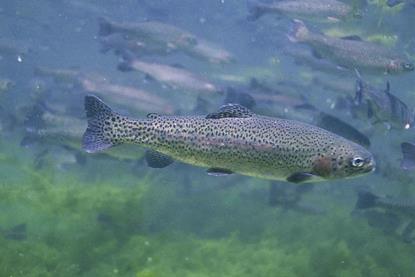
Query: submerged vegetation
(89,226)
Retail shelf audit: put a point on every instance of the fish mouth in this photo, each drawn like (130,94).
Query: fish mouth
(370,165)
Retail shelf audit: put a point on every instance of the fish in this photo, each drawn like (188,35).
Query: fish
(173,76)
(408,153)
(393,3)
(292,107)
(205,50)
(330,9)
(119,44)
(306,57)
(17,232)
(232,140)
(157,38)
(382,106)
(149,31)
(130,97)
(368,200)
(352,52)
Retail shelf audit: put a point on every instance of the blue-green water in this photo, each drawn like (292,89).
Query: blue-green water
(68,213)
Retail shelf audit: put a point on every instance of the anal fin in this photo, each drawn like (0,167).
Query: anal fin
(156,159)
(218,172)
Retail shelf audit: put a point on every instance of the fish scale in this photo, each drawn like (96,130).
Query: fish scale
(251,145)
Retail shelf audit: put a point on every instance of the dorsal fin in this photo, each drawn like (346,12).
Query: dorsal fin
(231,110)
(352,37)
(153,116)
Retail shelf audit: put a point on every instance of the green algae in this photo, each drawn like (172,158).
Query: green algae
(142,224)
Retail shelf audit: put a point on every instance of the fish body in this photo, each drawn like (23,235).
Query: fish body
(232,140)
(300,8)
(119,44)
(152,37)
(170,75)
(351,52)
(367,200)
(206,50)
(383,106)
(305,57)
(149,31)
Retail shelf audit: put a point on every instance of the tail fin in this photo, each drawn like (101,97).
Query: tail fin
(124,66)
(255,10)
(98,134)
(408,152)
(105,27)
(299,31)
(366,200)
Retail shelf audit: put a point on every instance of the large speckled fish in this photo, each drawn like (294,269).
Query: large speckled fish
(232,140)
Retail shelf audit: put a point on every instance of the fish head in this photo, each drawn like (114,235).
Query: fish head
(344,161)
(399,65)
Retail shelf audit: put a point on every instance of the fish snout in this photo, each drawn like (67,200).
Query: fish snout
(407,66)
(370,164)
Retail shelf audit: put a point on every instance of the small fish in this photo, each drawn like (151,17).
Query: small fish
(330,9)
(119,43)
(306,57)
(149,31)
(408,153)
(127,96)
(367,200)
(173,76)
(232,140)
(210,52)
(393,3)
(383,106)
(17,232)
(352,52)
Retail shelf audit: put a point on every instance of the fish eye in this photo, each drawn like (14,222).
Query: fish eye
(357,162)
(408,66)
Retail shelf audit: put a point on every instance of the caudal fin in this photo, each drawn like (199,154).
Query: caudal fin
(97,136)
(366,200)
(255,10)
(105,27)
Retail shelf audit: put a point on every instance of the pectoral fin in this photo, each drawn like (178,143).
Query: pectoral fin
(352,37)
(218,172)
(231,110)
(301,177)
(156,159)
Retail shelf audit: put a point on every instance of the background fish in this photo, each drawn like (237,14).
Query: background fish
(382,106)
(352,52)
(329,9)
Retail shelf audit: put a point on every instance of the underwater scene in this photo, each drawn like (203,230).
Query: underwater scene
(207,138)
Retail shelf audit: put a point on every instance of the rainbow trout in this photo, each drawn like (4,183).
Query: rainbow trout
(352,52)
(231,140)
